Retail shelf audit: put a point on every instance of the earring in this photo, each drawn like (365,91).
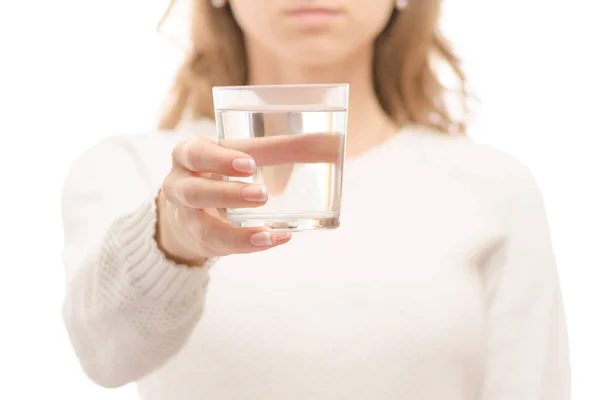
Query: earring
(401,4)
(218,3)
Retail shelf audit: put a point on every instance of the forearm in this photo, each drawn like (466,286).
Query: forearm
(129,309)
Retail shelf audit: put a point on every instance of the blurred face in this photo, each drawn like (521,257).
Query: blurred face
(312,32)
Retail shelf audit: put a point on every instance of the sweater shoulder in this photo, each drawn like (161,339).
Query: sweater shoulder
(148,152)
(157,140)
(485,164)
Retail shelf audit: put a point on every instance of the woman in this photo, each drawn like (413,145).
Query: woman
(439,284)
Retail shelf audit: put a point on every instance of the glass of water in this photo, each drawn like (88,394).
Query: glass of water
(297,136)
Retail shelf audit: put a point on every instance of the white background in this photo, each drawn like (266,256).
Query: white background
(74,71)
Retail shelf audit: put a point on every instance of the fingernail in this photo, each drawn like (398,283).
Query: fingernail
(254,193)
(281,236)
(244,165)
(261,239)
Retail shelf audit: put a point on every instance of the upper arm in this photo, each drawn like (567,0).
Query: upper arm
(527,350)
(102,184)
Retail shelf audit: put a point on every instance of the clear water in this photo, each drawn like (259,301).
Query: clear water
(299,154)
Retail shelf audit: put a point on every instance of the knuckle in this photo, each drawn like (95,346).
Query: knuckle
(175,152)
(235,240)
(240,242)
(188,152)
(167,186)
(188,191)
(194,150)
(221,196)
(198,153)
(179,150)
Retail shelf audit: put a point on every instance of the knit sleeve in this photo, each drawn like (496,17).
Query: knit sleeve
(527,350)
(127,308)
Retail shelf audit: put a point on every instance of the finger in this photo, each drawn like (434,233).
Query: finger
(198,192)
(221,238)
(284,149)
(203,155)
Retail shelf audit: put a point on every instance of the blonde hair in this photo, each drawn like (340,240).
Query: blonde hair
(405,76)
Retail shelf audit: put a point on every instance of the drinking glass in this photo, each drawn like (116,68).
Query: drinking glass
(297,137)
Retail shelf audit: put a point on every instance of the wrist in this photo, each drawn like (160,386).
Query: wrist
(166,239)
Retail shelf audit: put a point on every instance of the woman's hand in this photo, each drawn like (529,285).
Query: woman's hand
(191,222)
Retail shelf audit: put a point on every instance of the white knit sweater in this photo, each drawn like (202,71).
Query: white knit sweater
(439,284)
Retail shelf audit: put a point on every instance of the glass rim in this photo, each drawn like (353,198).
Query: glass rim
(285,86)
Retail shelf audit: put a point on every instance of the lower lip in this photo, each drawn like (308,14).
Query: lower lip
(314,16)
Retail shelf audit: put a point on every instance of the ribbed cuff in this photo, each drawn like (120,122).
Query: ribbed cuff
(144,266)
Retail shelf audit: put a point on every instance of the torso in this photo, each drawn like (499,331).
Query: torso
(388,306)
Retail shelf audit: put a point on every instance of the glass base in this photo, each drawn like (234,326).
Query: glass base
(283,224)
